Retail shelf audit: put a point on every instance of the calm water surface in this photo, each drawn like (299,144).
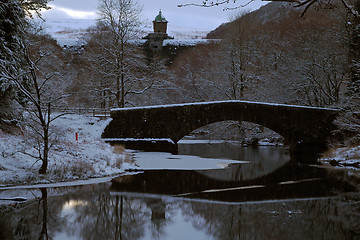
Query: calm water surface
(264,196)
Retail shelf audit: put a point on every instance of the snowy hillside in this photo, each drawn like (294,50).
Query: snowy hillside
(71,31)
(67,31)
(69,159)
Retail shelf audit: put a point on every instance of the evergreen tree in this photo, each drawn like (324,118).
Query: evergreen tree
(12,23)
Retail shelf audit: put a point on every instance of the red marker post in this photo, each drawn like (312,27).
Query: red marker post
(77,137)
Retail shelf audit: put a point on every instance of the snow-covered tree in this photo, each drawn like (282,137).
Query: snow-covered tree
(13,28)
(323,68)
(238,53)
(39,83)
(32,7)
(11,44)
(118,63)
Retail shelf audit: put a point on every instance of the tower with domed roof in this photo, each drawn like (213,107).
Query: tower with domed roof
(156,38)
(160,23)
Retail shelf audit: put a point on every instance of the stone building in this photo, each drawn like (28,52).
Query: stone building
(156,38)
(160,23)
(159,46)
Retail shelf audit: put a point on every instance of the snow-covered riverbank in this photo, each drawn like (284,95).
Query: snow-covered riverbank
(91,157)
(69,159)
(348,157)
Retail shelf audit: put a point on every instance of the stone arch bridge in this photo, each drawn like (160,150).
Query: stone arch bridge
(303,128)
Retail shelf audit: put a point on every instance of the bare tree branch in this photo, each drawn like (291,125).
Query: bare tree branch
(306,3)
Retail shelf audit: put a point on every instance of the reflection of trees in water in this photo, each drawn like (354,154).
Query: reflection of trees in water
(314,219)
(31,220)
(44,199)
(110,217)
(87,214)
(101,215)
(107,216)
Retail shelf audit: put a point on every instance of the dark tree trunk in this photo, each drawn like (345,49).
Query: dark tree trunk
(354,86)
(45,125)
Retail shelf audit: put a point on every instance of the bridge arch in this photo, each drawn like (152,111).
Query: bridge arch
(220,124)
(234,131)
(300,126)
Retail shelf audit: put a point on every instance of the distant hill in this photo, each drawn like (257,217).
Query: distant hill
(71,31)
(271,12)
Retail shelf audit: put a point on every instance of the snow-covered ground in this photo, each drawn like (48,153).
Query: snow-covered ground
(71,32)
(68,32)
(69,160)
(91,157)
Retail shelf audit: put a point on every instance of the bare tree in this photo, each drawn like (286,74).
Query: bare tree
(351,6)
(225,72)
(238,51)
(324,82)
(40,94)
(114,57)
(322,68)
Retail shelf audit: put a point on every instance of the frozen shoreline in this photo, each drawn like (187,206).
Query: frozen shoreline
(92,158)
(69,160)
(343,157)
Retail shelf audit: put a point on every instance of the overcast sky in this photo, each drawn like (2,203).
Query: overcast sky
(190,17)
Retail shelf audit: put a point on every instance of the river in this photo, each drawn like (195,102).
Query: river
(208,191)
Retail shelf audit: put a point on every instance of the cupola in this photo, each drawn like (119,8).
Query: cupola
(160,23)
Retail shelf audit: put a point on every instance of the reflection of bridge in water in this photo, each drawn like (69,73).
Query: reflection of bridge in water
(303,128)
(287,182)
